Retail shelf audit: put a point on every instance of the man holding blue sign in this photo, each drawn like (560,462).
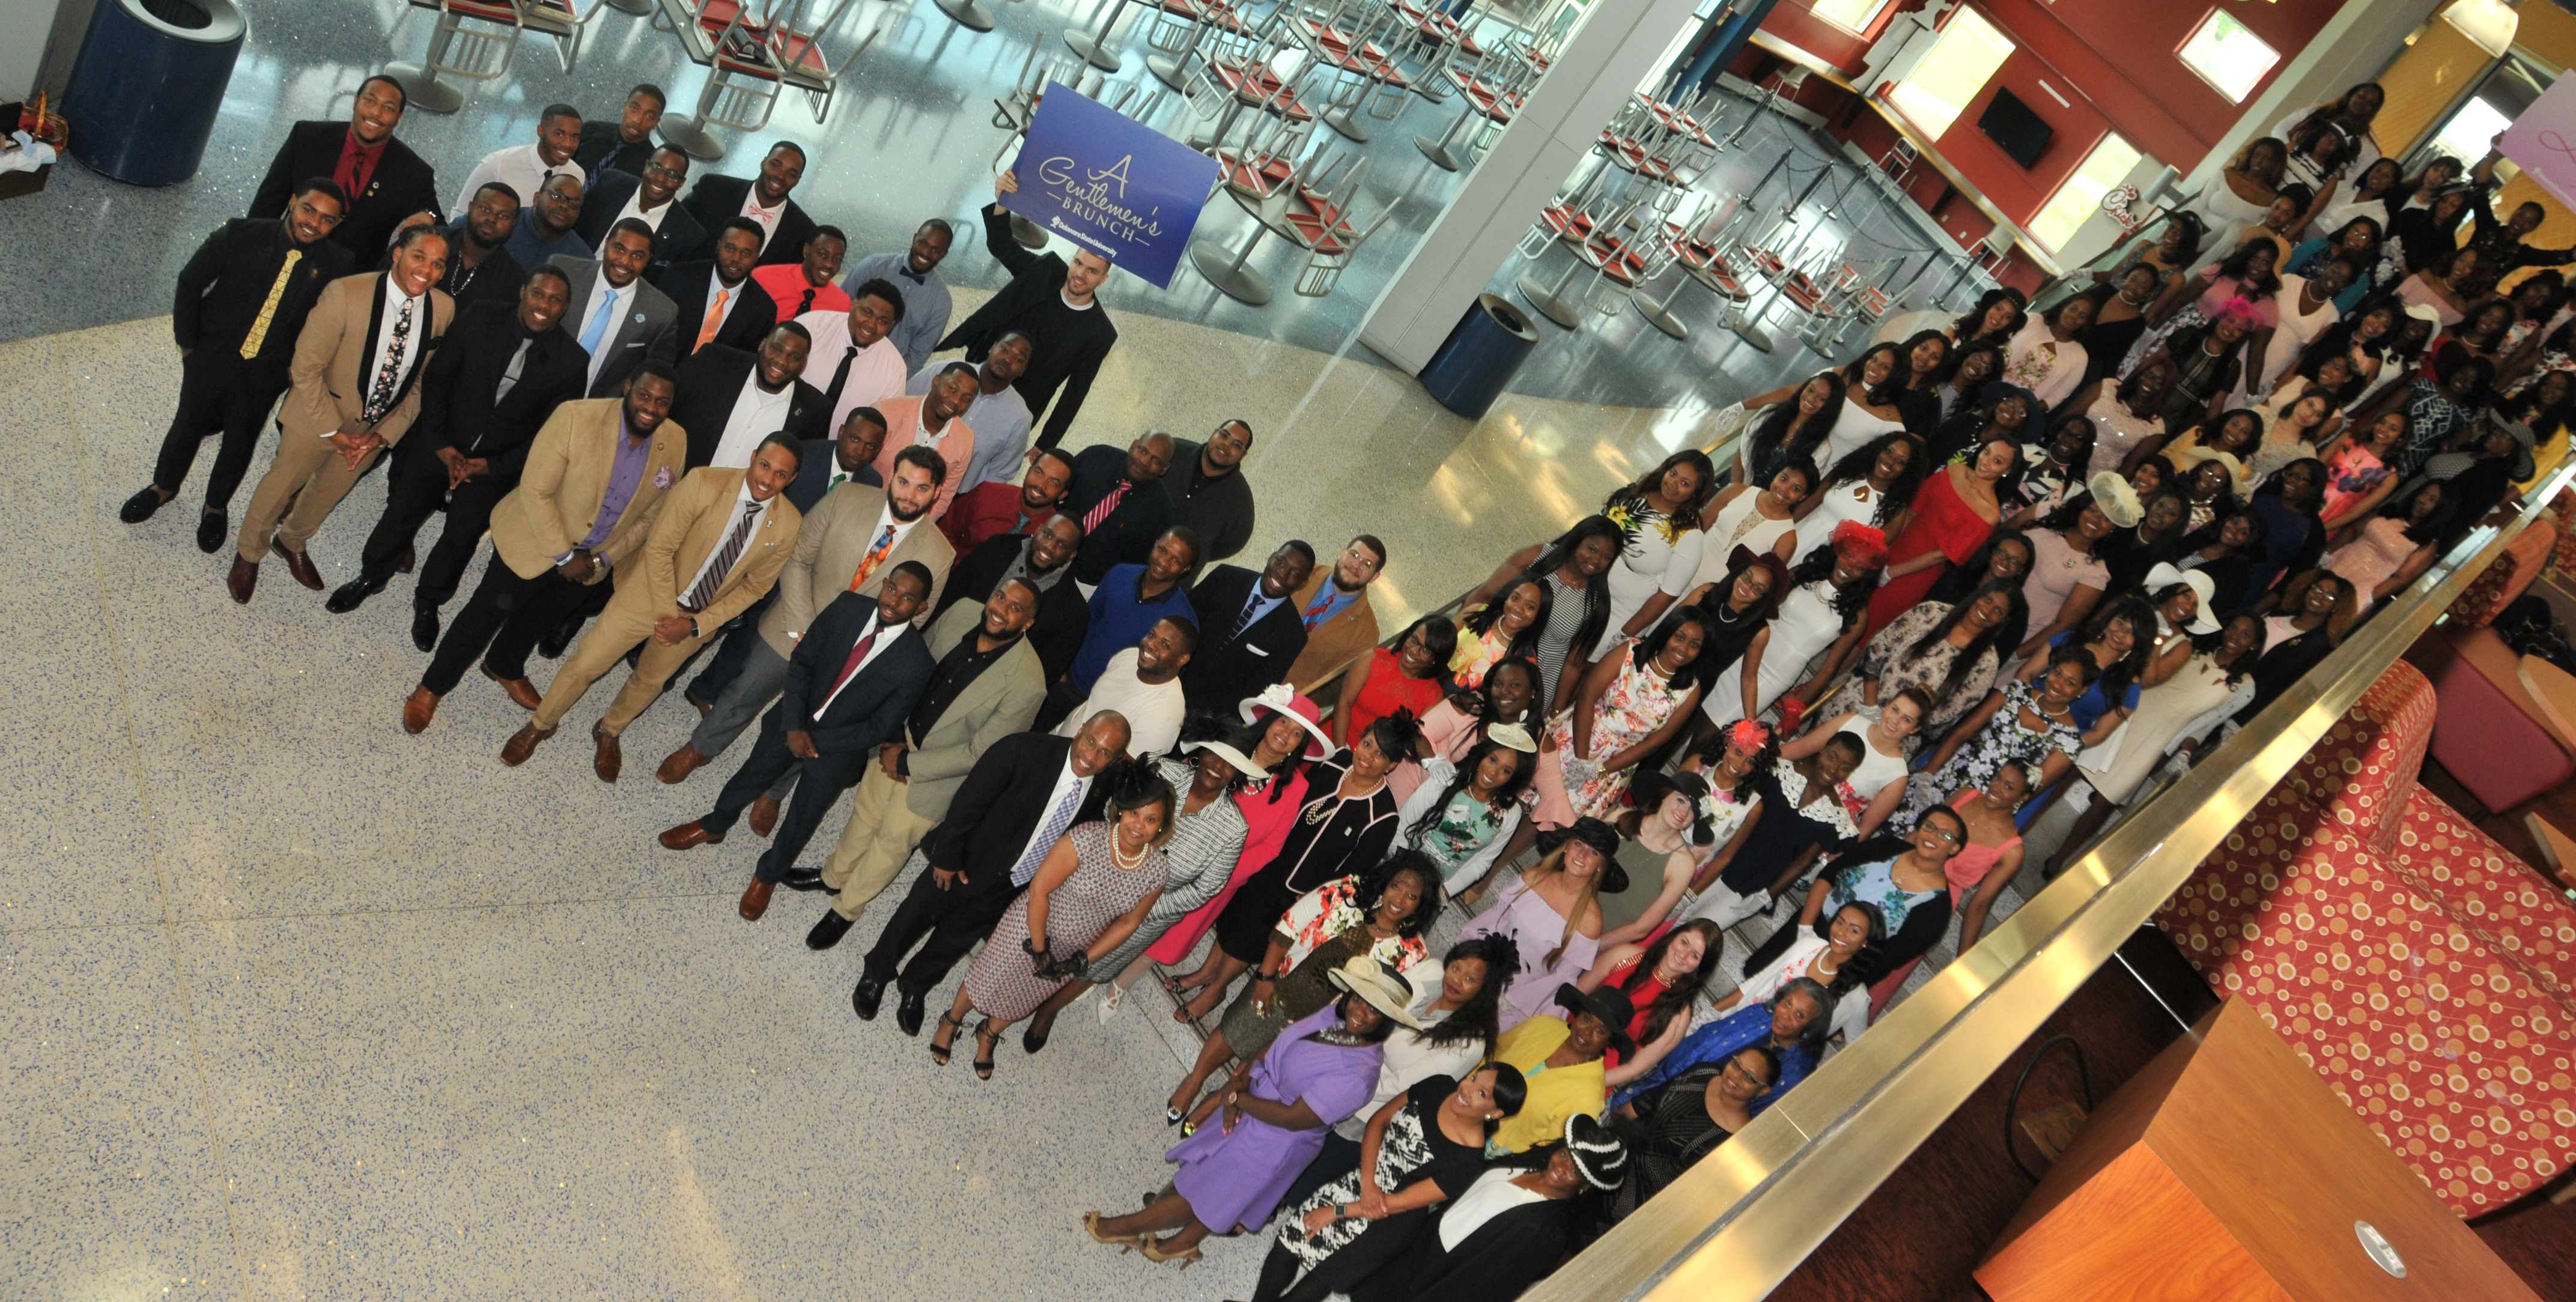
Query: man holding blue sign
(1052,303)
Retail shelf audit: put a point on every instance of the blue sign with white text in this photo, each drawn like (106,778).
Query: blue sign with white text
(1110,184)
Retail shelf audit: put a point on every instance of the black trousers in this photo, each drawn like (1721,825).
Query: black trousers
(945,924)
(503,621)
(1061,698)
(819,784)
(414,490)
(234,403)
(1339,1157)
(1362,1257)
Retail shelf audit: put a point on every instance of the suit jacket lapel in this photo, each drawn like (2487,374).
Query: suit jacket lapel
(367,345)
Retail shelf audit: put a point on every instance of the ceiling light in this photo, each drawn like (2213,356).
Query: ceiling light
(2488,23)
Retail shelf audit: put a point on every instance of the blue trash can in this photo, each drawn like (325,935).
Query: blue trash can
(1479,357)
(150,77)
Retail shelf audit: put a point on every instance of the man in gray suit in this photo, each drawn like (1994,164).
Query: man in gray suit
(988,685)
(856,537)
(618,319)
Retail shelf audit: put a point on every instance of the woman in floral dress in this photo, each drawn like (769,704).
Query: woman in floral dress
(2030,722)
(1631,704)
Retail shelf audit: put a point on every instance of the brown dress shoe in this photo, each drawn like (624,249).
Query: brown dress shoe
(409,559)
(764,816)
(243,579)
(521,692)
(522,744)
(689,836)
(704,708)
(608,758)
(301,566)
(679,764)
(755,900)
(417,708)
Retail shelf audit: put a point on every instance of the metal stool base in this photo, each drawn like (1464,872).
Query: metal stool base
(1242,284)
(1548,304)
(693,138)
(1437,152)
(1027,232)
(638,8)
(967,14)
(1340,120)
(1098,54)
(1662,318)
(424,92)
(1169,71)
(1753,334)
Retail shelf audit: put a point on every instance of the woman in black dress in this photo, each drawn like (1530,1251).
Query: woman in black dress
(1686,1118)
(1517,1223)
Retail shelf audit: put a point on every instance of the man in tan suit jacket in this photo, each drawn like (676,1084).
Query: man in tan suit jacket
(594,482)
(722,537)
(1334,603)
(838,551)
(907,791)
(353,393)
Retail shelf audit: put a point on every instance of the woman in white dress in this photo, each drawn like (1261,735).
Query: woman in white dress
(1829,593)
(1873,385)
(2045,357)
(2303,308)
(1660,542)
(2236,200)
(1887,745)
(1757,520)
(1871,486)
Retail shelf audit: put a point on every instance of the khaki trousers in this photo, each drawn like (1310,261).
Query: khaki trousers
(624,624)
(308,478)
(882,834)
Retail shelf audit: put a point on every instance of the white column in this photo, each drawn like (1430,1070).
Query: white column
(1617,47)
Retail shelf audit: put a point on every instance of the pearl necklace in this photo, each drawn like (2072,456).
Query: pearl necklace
(1120,859)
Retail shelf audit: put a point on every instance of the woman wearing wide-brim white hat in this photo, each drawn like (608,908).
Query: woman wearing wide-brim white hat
(1280,700)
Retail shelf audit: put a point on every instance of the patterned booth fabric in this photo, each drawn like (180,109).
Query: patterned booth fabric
(2363,770)
(2507,577)
(2504,902)
(2562,512)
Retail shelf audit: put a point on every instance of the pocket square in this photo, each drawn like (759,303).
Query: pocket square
(1255,650)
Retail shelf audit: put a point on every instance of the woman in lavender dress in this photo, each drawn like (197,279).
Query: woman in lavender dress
(1275,1114)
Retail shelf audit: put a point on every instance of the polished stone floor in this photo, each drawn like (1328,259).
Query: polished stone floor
(909,137)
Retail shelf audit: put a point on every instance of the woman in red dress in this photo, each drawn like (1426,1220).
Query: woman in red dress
(1954,512)
(1414,676)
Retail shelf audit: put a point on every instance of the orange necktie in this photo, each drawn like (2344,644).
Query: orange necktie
(876,556)
(715,317)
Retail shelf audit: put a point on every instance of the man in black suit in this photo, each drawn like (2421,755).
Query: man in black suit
(715,200)
(482,400)
(1014,805)
(1129,484)
(649,197)
(1051,302)
(718,301)
(830,463)
(479,270)
(855,676)
(234,346)
(627,143)
(1042,556)
(730,400)
(384,179)
(620,321)
(1251,628)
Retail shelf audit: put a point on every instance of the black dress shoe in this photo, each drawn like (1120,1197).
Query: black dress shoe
(212,529)
(140,507)
(551,646)
(827,932)
(796,881)
(424,629)
(865,999)
(348,597)
(908,1007)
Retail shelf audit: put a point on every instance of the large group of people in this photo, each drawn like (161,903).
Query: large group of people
(1998,561)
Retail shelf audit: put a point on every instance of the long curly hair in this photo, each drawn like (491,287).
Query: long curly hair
(1863,461)
(1480,1018)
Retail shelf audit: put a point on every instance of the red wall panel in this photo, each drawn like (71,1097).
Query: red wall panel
(2018,191)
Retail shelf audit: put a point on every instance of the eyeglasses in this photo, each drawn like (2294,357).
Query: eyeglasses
(1736,1069)
(1943,833)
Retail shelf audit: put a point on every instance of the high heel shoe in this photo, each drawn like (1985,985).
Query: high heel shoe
(986,1038)
(1152,1250)
(1124,1243)
(948,1026)
(1172,1116)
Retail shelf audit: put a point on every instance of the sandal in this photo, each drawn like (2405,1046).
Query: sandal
(948,1026)
(1124,1243)
(1152,1248)
(985,1039)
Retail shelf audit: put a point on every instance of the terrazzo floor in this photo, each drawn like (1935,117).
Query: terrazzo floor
(294,1005)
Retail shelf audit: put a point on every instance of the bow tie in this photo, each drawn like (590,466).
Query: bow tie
(918,278)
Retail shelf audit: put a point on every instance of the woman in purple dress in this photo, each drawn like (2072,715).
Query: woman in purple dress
(1276,1113)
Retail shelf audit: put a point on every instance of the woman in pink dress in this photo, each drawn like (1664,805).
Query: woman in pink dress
(1455,726)
(1288,721)
(2358,474)
(1952,515)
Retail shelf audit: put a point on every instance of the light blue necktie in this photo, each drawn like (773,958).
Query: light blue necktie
(1048,835)
(591,333)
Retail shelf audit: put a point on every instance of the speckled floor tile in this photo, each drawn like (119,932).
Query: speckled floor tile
(112,1183)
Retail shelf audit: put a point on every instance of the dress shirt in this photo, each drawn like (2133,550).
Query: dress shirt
(757,414)
(733,519)
(1068,785)
(1329,601)
(926,304)
(357,164)
(413,343)
(1001,422)
(767,217)
(876,373)
(902,530)
(615,301)
(624,477)
(884,641)
(787,286)
(1252,612)
(517,167)
(635,208)
(1153,710)
(965,662)
(731,298)
(1121,614)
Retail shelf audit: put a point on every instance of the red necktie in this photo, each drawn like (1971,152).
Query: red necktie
(1091,521)
(848,667)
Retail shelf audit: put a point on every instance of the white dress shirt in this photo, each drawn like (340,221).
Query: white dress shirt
(767,217)
(517,167)
(1153,711)
(412,343)
(741,502)
(884,642)
(757,414)
(876,374)
(616,300)
(635,208)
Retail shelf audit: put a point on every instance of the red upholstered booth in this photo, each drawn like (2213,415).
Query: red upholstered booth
(2423,971)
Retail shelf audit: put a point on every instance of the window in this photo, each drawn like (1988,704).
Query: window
(1957,66)
(1853,16)
(2228,55)
(2081,196)
(2500,98)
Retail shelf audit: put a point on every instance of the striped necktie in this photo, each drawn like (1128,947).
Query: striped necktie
(704,590)
(1058,820)
(268,310)
(1091,519)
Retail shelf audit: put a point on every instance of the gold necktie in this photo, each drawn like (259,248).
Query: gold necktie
(268,311)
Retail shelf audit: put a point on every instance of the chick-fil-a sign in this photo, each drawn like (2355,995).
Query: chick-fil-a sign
(1110,184)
